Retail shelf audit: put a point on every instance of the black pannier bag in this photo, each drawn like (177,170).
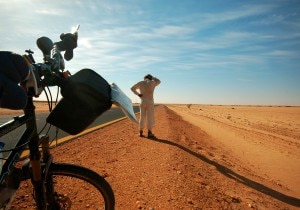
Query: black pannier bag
(86,95)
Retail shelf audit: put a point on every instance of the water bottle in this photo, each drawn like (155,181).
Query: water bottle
(2,144)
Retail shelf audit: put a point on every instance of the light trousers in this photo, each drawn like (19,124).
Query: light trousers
(146,114)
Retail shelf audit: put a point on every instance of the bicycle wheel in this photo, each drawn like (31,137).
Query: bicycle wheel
(69,187)
(76,187)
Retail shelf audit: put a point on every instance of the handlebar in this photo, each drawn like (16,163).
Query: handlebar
(51,71)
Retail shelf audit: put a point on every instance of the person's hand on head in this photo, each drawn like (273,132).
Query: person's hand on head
(149,76)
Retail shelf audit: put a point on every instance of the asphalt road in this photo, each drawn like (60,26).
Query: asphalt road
(10,139)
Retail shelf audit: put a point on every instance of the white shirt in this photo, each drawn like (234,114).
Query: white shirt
(146,88)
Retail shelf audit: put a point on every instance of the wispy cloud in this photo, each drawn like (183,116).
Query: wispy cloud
(235,14)
(169,30)
(285,53)
(51,12)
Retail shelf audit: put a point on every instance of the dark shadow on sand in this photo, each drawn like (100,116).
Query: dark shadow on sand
(233,175)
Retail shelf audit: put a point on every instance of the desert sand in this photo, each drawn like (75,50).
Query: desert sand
(204,157)
(266,139)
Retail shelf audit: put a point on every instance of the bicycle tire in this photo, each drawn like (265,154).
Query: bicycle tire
(69,170)
(94,192)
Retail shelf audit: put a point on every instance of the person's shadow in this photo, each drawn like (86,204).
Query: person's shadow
(239,178)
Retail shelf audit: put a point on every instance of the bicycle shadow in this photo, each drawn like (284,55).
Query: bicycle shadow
(239,178)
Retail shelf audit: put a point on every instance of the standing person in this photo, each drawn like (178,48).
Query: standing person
(146,90)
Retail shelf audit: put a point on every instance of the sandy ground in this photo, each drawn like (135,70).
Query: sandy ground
(41,107)
(204,157)
(266,139)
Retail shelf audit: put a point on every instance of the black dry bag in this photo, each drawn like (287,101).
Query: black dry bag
(86,95)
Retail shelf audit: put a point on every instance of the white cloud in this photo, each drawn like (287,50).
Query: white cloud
(282,53)
(52,12)
(85,43)
(169,30)
(235,14)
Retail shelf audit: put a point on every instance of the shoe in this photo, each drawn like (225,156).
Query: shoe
(141,134)
(151,135)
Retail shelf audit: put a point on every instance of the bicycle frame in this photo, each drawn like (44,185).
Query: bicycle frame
(31,137)
(52,70)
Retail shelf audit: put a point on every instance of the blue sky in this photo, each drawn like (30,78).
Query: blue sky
(204,52)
